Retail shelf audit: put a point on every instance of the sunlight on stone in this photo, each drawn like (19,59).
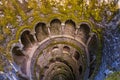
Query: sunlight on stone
(59,39)
(61,2)
(119,4)
(21,1)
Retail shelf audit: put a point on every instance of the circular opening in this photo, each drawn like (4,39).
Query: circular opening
(77,55)
(55,47)
(66,48)
(65,62)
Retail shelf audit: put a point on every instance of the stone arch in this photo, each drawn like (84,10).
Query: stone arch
(27,39)
(93,44)
(71,22)
(83,32)
(76,55)
(41,31)
(66,49)
(16,51)
(85,27)
(70,27)
(55,27)
(51,49)
(17,55)
(93,40)
(93,48)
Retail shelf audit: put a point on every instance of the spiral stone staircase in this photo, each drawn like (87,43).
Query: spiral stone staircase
(57,51)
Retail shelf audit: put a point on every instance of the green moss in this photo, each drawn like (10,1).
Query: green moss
(9,46)
(75,12)
(21,29)
(114,76)
(79,12)
(87,21)
(98,59)
(1,37)
(7,51)
(19,9)
(6,31)
(2,49)
(99,34)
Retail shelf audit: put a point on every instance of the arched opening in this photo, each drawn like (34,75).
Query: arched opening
(66,49)
(93,43)
(83,32)
(55,51)
(55,21)
(70,27)
(55,47)
(85,28)
(52,60)
(27,39)
(71,22)
(76,55)
(41,31)
(55,27)
(17,52)
(18,55)
(92,47)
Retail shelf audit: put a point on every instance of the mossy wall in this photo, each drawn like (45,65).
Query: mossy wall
(114,76)
(16,16)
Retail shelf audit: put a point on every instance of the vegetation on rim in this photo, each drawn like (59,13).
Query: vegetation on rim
(16,16)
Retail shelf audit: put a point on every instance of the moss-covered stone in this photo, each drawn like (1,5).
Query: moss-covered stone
(42,11)
(114,76)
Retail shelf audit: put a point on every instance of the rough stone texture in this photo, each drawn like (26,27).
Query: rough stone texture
(111,53)
(42,54)
(2,77)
